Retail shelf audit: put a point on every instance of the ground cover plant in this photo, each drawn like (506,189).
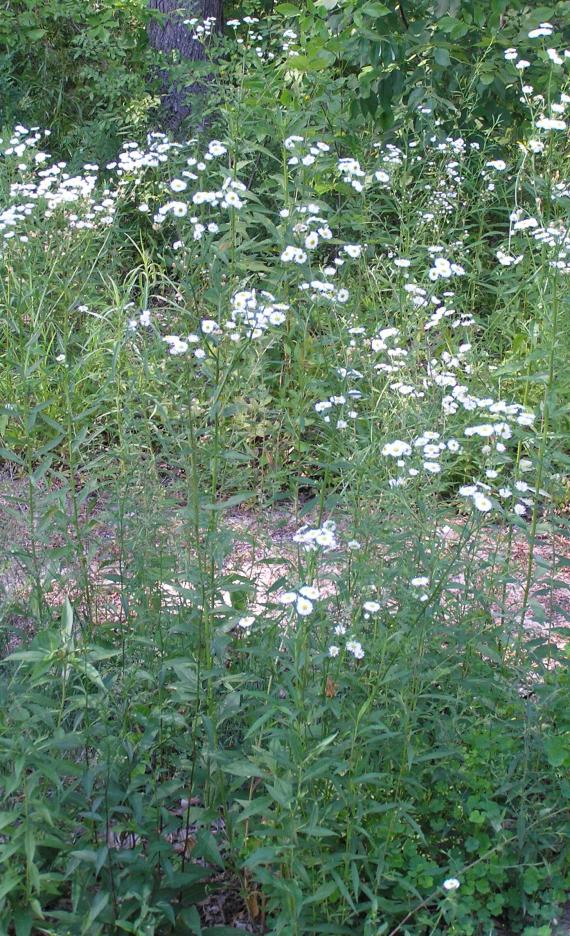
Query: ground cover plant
(284,440)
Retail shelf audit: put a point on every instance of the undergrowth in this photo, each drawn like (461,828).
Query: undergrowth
(284,434)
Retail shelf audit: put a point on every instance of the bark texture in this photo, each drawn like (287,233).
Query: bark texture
(168,33)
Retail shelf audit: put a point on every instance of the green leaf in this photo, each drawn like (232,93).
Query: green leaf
(441,56)
(23,922)
(317,831)
(531,880)
(446,24)
(85,854)
(288,9)
(8,883)
(542,13)
(207,847)
(325,890)
(6,818)
(229,503)
(191,918)
(375,9)
(86,669)
(27,656)
(313,61)
(100,902)
(67,624)
(476,817)
(243,769)
(557,749)
(261,856)
(7,455)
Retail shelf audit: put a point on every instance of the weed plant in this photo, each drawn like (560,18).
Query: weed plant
(284,435)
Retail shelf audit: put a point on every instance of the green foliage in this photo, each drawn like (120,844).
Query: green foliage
(85,65)
(445,55)
(278,650)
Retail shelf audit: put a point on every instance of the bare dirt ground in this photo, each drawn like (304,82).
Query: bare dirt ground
(263,551)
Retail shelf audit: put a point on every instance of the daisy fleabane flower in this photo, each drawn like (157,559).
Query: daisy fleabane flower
(303,606)
(293,254)
(483,503)
(551,123)
(355,648)
(396,449)
(542,30)
(353,250)
(451,884)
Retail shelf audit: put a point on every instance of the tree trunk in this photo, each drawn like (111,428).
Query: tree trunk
(169,34)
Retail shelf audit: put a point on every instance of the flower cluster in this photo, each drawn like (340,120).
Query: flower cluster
(256,312)
(354,647)
(227,196)
(304,153)
(430,447)
(314,538)
(342,400)
(351,173)
(303,599)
